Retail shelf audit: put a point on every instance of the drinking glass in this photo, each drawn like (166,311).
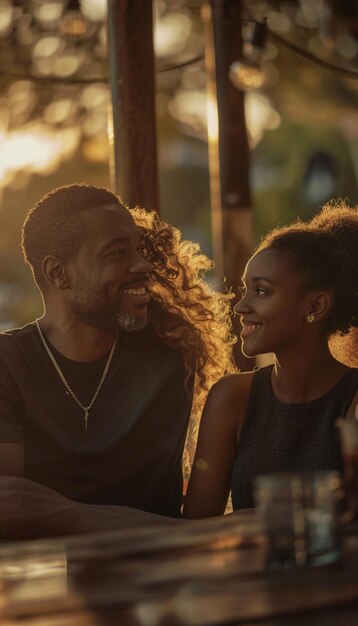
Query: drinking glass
(348,434)
(300,513)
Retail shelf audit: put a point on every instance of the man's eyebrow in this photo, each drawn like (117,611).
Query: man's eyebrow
(113,242)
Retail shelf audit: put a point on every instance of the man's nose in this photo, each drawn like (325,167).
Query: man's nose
(140,265)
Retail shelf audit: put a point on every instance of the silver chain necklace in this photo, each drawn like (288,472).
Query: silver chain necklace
(86,409)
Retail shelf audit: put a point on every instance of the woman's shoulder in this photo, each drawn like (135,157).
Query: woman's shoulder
(232,391)
(232,383)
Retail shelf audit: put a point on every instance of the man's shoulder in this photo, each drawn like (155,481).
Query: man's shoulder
(13,337)
(18,332)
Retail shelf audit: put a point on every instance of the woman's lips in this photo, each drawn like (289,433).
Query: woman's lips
(249,329)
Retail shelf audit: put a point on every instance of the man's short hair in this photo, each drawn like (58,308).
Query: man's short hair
(55,226)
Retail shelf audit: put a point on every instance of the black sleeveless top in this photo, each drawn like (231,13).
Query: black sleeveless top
(288,437)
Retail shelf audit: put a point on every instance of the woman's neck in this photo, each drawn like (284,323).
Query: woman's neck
(303,377)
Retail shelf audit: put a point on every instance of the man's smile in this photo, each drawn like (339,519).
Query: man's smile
(138,292)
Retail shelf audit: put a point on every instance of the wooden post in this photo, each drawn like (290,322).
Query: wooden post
(228,150)
(132,72)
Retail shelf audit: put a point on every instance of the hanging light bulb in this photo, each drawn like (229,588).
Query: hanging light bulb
(74,24)
(247,73)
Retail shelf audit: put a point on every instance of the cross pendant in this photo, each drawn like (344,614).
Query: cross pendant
(86,418)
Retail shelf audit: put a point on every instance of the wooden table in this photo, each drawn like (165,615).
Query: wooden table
(200,573)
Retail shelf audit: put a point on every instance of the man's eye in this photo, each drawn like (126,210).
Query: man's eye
(115,253)
(260,291)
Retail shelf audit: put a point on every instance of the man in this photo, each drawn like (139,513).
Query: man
(95,396)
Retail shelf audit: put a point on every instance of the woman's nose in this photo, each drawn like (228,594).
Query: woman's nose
(242,306)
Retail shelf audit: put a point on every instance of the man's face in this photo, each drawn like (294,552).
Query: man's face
(110,273)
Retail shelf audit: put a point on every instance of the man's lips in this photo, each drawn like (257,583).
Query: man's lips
(137,291)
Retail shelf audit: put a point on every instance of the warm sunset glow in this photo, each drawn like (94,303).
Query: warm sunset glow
(213,122)
(260,116)
(95,10)
(171,33)
(35,148)
(197,112)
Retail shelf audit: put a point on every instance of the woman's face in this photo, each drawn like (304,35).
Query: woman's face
(274,305)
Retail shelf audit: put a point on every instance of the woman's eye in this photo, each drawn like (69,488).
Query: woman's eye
(260,291)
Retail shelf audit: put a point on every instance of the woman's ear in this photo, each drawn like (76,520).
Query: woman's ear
(319,307)
(55,272)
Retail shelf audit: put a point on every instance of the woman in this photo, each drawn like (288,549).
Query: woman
(299,290)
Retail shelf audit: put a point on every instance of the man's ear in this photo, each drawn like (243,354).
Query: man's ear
(55,272)
(320,305)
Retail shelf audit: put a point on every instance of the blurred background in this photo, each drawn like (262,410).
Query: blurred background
(55,110)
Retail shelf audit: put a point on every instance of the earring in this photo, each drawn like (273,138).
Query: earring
(310,318)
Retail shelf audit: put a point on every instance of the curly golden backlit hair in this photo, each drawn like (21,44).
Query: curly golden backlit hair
(185,311)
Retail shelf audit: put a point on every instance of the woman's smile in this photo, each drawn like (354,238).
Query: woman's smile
(248,329)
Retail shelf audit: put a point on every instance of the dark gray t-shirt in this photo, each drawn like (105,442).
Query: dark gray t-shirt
(132,451)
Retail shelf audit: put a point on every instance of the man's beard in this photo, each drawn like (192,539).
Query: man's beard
(91,308)
(130,323)
(110,320)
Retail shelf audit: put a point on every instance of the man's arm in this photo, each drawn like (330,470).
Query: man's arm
(29,510)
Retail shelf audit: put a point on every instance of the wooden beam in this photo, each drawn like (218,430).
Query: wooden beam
(132,79)
(228,149)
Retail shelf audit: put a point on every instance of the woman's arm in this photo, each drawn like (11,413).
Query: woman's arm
(224,410)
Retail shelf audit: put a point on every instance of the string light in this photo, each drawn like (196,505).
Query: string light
(247,73)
